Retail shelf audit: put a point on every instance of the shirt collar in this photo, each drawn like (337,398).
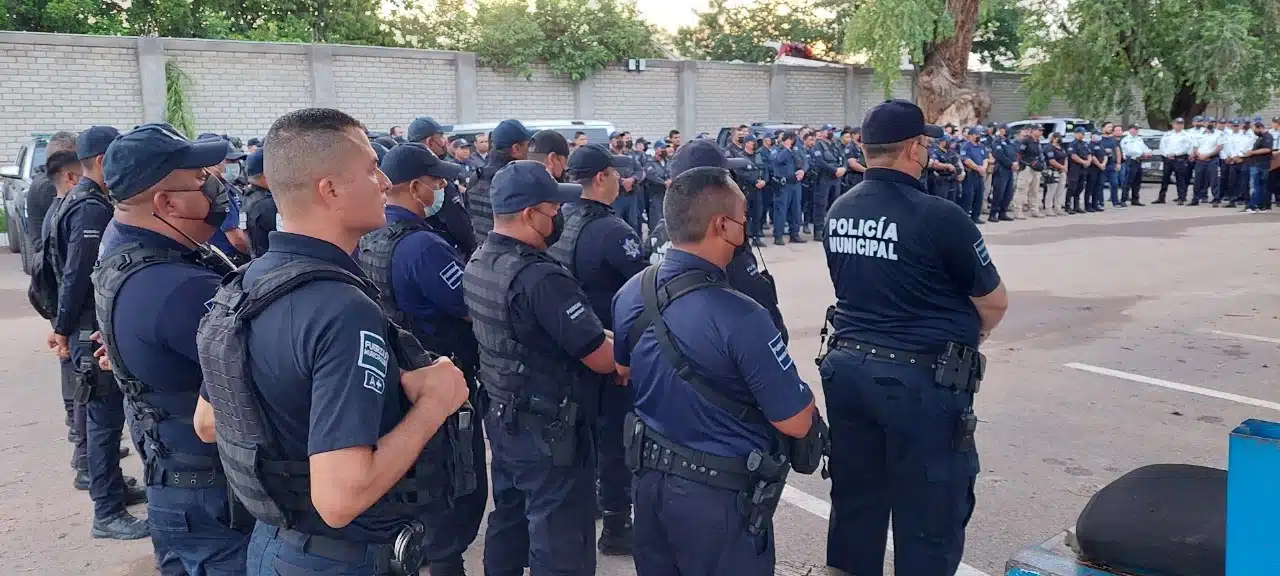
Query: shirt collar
(894,176)
(677,261)
(504,240)
(297,244)
(149,238)
(87,182)
(585,201)
(398,213)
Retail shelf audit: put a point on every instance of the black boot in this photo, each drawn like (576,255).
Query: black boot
(451,567)
(135,495)
(798,240)
(81,481)
(122,526)
(616,537)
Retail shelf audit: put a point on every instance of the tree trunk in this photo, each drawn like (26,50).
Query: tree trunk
(942,89)
(1186,105)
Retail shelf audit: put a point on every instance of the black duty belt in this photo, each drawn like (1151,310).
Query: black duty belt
(204,479)
(401,557)
(948,372)
(927,361)
(661,455)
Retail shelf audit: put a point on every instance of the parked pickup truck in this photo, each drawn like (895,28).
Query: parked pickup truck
(15,179)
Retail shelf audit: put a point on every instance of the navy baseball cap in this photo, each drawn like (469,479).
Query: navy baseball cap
(1178,120)
(94,141)
(1080,130)
(253,163)
(895,121)
(414,160)
(254,142)
(387,142)
(525,184)
(380,150)
(828,127)
(142,157)
(509,133)
(1198,119)
(421,128)
(234,153)
(592,159)
(703,154)
(549,142)
(1210,119)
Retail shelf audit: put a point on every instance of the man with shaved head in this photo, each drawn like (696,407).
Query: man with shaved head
(328,416)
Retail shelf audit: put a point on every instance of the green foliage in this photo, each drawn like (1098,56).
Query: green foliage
(996,40)
(177,110)
(69,16)
(884,30)
(1175,56)
(739,32)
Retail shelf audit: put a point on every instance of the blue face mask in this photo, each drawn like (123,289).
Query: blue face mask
(436,203)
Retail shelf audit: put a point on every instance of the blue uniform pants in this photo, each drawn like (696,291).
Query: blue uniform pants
(655,198)
(971,195)
(755,211)
(895,450)
(1206,178)
(1239,184)
(1093,189)
(684,528)
(270,554)
(611,466)
(75,417)
(786,211)
(104,428)
(543,516)
(1001,192)
(1112,177)
(628,207)
(452,527)
(825,192)
(191,532)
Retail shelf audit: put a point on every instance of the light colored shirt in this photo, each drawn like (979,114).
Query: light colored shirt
(1133,147)
(1243,142)
(1208,142)
(1175,143)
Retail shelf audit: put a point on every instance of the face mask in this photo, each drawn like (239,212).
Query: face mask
(232,171)
(436,204)
(557,228)
(216,193)
(744,234)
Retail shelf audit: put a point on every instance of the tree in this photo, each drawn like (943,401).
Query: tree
(740,32)
(1175,56)
(997,41)
(936,36)
(67,16)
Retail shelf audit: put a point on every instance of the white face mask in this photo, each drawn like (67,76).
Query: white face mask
(437,202)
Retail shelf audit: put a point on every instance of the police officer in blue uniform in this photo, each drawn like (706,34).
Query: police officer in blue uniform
(260,214)
(76,233)
(1093,176)
(787,170)
(947,160)
(541,347)
(855,164)
(452,221)
(419,279)
(510,141)
(151,286)
(1111,164)
(630,202)
(916,293)
(602,252)
(322,433)
(719,403)
(975,159)
(656,177)
(827,163)
(755,177)
(1005,152)
(229,238)
(1080,162)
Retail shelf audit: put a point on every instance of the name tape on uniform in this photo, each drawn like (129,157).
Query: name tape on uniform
(576,310)
(780,353)
(452,275)
(864,237)
(980,247)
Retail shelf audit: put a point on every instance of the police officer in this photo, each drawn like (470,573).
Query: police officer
(948,171)
(540,343)
(325,441)
(755,177)
(1005,154)
(656,179)
(511,142)
(916,293)
(1239,168)
(229,238)
(419,279)
(1096,173)
(1080,159)
(1175,146)
(767,150)
(628,205)
(1109,147)
(718,399)
(480,157)
(808,146)
(1055,176)
(1135,150)
(260,216)
(787,170)
(1031,165)
(829,165)
(1226,189)
(1207,146)
(551,149)
(452,221)
(151,289)
(602,252)
(855,164)
(977,162)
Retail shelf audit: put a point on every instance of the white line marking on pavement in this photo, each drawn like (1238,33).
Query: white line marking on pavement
(1244,336)
(1175,386)
(820,508)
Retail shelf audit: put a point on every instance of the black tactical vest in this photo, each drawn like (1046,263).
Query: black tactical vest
(80,194)
(479,204)
(111,272)
(506,365)
(274,490)
(565,249)
(375,255)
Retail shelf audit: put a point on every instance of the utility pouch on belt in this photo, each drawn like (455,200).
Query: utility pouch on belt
(561,433)
(960,368)
(966,426)
(769,477)
(462,466)
(807,452)
(632,441)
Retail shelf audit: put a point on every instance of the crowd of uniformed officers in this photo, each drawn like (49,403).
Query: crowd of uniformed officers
(311,338)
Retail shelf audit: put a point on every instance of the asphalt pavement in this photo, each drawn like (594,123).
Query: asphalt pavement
(1135,336)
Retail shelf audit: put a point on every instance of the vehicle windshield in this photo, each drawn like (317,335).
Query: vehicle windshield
(37,158)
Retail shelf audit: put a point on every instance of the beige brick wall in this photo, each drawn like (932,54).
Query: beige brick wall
(730,96)
(384,92)
(504,94)
(1009,103)
(46,88)
(242,93)
(815,96)
(643,103)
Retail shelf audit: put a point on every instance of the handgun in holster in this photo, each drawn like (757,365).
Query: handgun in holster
(86,370)
(828,319)
(633,429)
(960,368)
(561,434)
(461,430)
(769,477)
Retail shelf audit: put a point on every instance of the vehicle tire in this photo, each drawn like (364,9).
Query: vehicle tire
(27,255)
(15,235)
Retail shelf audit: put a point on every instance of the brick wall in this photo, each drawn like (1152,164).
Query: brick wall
(95,85)
(241,93)
(502,94)
(815,96)
(384,92)
(641,102)
(730,94)
(1009,103)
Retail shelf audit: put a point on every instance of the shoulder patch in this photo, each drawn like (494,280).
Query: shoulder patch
(780,353)
(575,310)
(631,246)
(452,275)
(373,355)
(980,248)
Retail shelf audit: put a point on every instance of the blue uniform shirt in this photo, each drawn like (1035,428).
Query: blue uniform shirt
(454,221)
(324,371)
(78,240)
(426,274)
(157,312)
(976,153)
(784,163)
(608,253)
(731,341)
(904,265)
(1108,146)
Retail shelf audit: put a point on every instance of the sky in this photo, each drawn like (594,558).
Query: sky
(671,14)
